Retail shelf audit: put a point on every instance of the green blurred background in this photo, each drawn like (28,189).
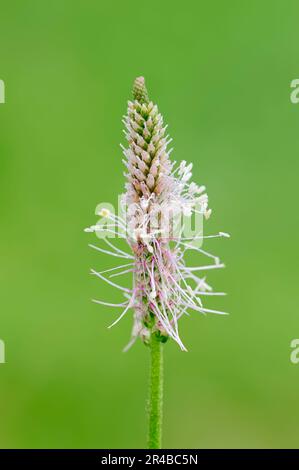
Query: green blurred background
(221,73)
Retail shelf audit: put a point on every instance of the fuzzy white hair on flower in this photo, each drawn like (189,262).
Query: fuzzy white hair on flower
(158,194)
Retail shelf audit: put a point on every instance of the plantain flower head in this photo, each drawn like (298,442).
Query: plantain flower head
(157,206)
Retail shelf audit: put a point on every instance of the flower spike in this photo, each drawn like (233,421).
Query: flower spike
(159,196)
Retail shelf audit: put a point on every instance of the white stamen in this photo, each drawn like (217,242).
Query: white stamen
(110,282)
(110,252)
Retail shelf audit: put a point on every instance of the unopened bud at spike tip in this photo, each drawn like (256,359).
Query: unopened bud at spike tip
(139,90)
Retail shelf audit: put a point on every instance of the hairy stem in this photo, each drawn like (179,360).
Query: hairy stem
(155,394)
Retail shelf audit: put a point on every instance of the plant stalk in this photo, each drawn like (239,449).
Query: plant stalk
(155,404)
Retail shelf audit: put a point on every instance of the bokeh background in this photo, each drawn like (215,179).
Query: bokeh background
(221,73)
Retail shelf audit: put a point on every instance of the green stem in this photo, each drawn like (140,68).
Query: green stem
(155,393)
